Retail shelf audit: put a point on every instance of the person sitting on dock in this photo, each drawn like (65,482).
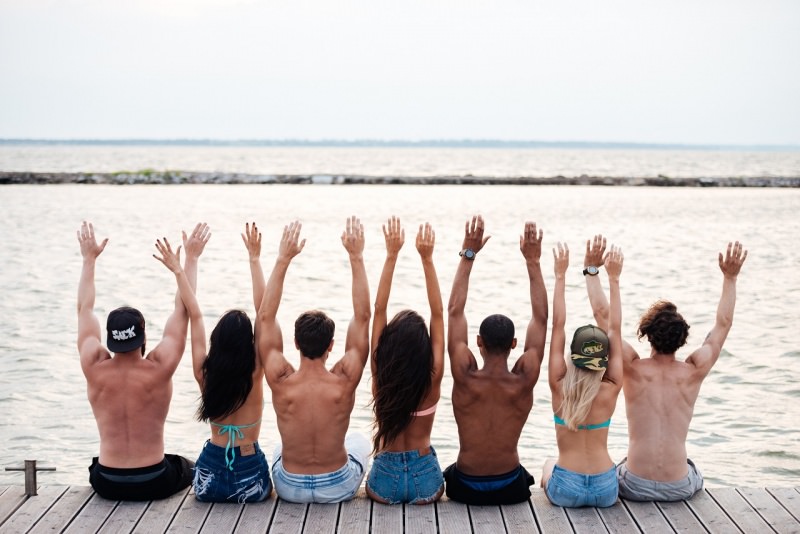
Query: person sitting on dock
(129,394)
(231,467)
(491,404)
(316,461)
(661,391)
(584,387)
(407,364)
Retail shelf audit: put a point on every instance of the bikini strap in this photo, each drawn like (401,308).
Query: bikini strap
(234,432)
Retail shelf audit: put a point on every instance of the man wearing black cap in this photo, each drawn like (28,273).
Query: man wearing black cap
(661,390)
(129,394)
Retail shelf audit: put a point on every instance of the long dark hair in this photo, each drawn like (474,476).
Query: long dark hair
(229,367)
(403,361)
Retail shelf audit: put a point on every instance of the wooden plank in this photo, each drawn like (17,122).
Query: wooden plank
(64,510)
(257,516)
(789,499)
(190,517)
(288,517)
(648,517)
(387,518)
(680,516)
(485,519)
(617,518)
(159,514)
(321,518)
(713,518)
(453,517)
(737,508)
(355,514)
(92,516)
(223,517)
(420,518)
(770,509)
(551,518)
(518,518)
(10,500)
(585,520)
(33,509)
(3,489)
(124,517)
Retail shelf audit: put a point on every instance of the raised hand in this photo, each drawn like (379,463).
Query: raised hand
(353,236)
(252,240)
(426,238)
(89,247)
(170,259)
(733,260)
(530,243)
(613,262)
(560,259)
(196,242)
(473,234)
(291,245)
(394,235)
(595,251)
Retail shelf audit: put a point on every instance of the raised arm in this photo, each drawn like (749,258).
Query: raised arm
(556,366)
(395,236)
(252,241)
(169,350)
(356,345)
(90,348)
(269,337)
(426,239)
(613,262)
(706,356)
(461,358)
(530,363)
(172,261)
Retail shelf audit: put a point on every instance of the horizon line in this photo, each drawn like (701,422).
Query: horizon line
(394,143)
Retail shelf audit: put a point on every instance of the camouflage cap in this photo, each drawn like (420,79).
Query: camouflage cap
(590,348)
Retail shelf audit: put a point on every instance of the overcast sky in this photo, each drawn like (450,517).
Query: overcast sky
(677,71)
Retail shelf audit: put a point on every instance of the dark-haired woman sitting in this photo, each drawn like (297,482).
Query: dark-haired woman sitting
(407,363)
(231,466)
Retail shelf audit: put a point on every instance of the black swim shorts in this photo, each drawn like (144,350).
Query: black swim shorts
(158,481)
(461,487)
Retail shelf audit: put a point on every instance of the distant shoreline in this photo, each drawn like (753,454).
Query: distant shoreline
(148,177)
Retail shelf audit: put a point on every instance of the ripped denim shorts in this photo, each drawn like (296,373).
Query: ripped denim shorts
(406,477)
(248,481)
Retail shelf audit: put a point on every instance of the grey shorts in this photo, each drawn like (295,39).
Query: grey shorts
(637,488)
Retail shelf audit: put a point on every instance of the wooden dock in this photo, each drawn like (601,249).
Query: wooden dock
(77,509)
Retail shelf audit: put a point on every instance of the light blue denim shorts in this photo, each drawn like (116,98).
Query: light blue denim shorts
(406,477)
(573,490)
(247,482)
(637,488)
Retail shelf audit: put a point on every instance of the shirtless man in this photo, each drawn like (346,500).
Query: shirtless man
(316,462)
(129,394)
(491,404)
(660,391)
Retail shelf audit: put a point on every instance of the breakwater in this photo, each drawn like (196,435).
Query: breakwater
(187,177)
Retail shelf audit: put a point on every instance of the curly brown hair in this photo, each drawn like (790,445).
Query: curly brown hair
(665,328)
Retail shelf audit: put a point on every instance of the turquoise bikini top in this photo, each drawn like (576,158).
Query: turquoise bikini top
(234,432)
(604,424)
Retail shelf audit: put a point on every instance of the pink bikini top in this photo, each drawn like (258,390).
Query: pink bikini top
(426,411)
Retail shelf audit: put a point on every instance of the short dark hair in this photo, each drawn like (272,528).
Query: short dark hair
(665,328)
(313,333)
(497,333)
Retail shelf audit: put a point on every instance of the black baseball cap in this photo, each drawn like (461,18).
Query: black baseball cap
(125,327)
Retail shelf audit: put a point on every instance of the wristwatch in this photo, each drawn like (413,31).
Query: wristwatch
(591,270)
(467,253)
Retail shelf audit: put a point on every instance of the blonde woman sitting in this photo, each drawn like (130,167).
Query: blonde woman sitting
(584,387)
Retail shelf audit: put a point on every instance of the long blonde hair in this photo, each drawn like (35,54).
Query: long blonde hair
(579,388)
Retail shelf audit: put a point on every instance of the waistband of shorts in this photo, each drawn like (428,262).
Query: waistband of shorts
(407,456)
(331,478)
(216,449)
(692,470)
(503,477)
(611,473)
(132,475)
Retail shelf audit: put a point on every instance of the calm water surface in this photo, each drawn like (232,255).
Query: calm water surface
(745,430)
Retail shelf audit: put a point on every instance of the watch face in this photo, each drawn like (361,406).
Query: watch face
(468,253)
(592,270)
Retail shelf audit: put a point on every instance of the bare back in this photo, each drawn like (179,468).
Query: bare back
(660,394)
(313,407)
(129,394)
(491,405)
(248,414)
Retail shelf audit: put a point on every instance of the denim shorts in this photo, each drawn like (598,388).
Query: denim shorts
(636,488)
(214,482)
(572,490)
(337,486)
(406,477)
